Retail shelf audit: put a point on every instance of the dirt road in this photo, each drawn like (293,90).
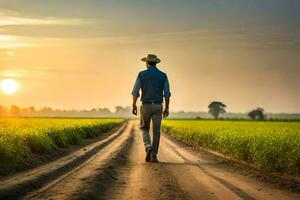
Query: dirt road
(115,169)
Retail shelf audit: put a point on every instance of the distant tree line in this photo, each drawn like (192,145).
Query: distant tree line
(31,111)
(216,108)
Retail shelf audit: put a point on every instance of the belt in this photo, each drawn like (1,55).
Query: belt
(151,102)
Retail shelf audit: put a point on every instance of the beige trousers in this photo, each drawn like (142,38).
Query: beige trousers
(151,112)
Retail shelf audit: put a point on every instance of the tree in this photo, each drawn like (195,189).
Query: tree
(2,110)
(46,110)
(123,111)
(104,111)
(15,110)
(216,108)
(28,110)
(257,114)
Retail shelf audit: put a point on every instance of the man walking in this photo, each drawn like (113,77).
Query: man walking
(155,86)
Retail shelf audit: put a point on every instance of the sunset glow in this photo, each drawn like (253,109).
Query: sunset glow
(243,53)
(9,86)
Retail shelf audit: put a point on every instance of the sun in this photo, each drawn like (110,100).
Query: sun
(9,86)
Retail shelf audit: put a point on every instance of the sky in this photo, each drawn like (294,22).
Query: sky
(84,54)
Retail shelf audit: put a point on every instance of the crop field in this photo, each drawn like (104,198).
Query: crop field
(269,146)
(20,137)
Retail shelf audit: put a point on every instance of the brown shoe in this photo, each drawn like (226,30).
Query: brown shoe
(148,154)
(154,158)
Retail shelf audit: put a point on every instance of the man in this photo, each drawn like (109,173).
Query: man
(155,86)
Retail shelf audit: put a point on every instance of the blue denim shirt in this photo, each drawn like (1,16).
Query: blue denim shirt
(153,83)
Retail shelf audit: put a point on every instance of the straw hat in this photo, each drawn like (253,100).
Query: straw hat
(151,58)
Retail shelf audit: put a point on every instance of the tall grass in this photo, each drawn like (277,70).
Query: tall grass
(20,138)
(270,146)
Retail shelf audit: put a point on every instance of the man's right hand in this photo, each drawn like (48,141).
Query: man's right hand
(166,113)
(134,109)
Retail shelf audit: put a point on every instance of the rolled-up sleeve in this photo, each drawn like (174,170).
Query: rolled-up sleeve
(137,86)
(167,92)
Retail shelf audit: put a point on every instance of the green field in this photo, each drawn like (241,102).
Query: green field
(21,137)
(270,146)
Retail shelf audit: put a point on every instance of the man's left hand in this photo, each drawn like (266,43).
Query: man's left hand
(134,109)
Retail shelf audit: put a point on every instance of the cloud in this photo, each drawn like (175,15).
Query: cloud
(22,31)
(6,54)
(11,42)
(238,36)
(11,20)
(208,38)
(33,72)
(19,31)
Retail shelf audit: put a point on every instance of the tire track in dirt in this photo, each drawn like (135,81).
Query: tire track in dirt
(20,184)
(202,177)
(140,180)
(74,183)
